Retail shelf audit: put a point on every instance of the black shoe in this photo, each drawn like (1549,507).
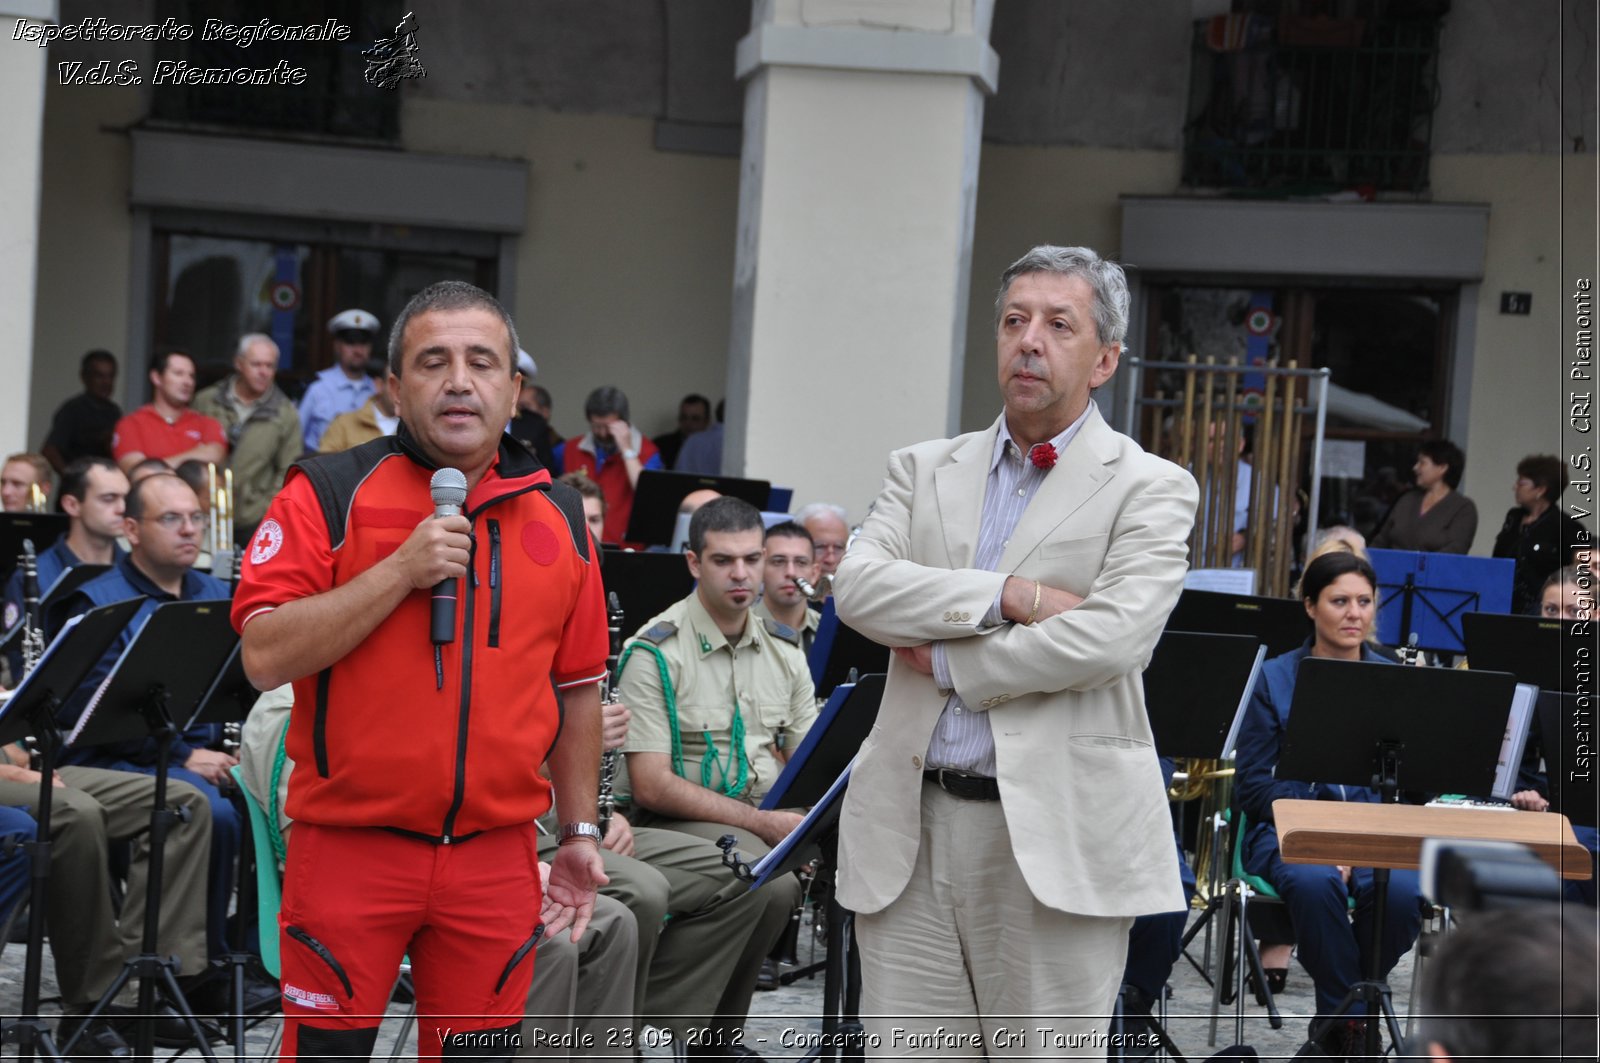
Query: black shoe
(98,1041)
(171,1031)
(212,993)
(768,978)
(1343,1039)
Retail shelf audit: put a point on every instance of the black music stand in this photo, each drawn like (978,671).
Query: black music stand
(645,583)
(1366,724)
(43,528)
(657,494)
(829,746)
(835,738)
(32,709)
(1529,647)
(1201,721)
(146,696)
(1427,595)
(840,653)
(1280,624)
(1572,792)
(843,1036)
(229,700)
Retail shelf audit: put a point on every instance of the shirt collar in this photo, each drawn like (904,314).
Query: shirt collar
(145,586)
(1004,439)
(708,637)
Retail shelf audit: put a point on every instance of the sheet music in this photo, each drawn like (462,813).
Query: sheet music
(49,652)
(781,851)
(1222,580)
(1231,743)
(1517,724)
(94,700)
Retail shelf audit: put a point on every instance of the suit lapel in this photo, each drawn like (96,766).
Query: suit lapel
(1083,470)
(959,485)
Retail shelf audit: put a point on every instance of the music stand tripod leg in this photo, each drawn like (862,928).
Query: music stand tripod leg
(149,966)
(28,1031)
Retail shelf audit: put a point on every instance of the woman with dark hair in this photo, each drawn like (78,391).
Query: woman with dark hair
(1340,594)
(1537,534)
(1433,516)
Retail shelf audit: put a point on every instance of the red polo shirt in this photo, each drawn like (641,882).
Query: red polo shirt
(144,431)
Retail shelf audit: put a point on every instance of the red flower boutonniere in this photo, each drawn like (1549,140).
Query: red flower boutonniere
(1043,455)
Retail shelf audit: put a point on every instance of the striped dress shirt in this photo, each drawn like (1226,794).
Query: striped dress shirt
(962,738)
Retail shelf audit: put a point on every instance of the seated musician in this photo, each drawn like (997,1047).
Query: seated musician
(1565,596)
(164,520)
(719,699)
(1339,590)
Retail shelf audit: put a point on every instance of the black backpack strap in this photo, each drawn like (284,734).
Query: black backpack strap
(337,477)
(570,503)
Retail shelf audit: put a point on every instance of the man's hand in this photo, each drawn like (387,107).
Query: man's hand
(210,765)
(775,825)
(13,773)
(569,893)
(438,549)
(1529,801)
(917,658)
(614,717)
(1016,600)
(619,836)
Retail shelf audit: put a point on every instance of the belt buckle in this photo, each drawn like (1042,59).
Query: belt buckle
(950,779)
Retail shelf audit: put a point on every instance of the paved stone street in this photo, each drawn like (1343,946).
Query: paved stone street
(781,1020)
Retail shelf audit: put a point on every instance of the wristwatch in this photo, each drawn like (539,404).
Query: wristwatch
(570,831)
(630,455)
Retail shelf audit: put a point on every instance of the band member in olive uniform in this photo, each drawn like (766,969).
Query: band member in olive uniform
(718,698)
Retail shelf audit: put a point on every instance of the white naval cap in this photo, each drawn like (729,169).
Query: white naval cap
(358,320)
(526,365)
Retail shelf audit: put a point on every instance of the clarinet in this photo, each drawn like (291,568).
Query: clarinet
(33,629)
(1410,654)
(608,759)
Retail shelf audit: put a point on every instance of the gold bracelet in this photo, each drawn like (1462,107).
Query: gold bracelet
(1034,612)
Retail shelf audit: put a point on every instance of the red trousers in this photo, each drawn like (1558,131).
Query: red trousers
(358,900)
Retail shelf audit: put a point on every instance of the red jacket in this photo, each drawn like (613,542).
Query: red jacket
(612,476)
(377,742)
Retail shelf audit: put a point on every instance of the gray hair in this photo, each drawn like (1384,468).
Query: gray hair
(249,339)
(445,296)
(1109,283)
(819,509)
(606,400)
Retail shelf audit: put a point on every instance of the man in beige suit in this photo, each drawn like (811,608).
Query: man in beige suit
(1006,820)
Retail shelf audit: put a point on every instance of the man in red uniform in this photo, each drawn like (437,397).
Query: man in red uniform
(613,453)
(419,784)
(165,427)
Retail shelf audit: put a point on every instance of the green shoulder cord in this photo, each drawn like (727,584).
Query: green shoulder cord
(274,834)
(710,760)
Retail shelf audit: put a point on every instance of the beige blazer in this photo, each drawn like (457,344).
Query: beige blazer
(1079,781)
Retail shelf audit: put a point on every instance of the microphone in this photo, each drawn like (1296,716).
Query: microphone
(449,490)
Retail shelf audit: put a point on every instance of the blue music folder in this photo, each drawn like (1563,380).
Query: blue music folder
(1442,588)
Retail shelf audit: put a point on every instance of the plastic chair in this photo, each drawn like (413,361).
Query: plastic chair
(1233,958)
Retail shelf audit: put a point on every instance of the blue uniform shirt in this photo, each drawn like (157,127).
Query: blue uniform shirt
(122,582)
(329,395)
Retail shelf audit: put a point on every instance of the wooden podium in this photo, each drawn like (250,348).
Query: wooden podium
(1369,835)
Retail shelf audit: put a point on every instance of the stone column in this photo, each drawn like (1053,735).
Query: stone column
(23,69)
(858,185)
